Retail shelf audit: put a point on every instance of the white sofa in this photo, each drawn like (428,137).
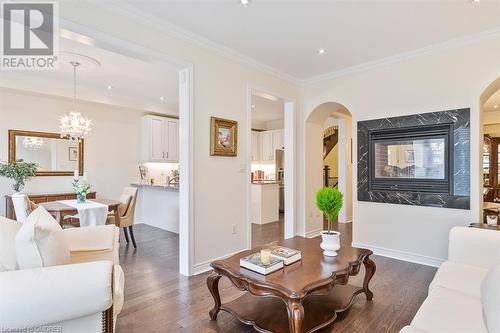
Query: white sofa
(464,296)
(82,297)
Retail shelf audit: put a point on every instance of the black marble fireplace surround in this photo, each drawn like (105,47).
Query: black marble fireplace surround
(455,194)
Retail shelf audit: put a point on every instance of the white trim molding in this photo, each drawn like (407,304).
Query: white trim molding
(431,49)
(204,266)
(133,14)
(313,233)
(402,255)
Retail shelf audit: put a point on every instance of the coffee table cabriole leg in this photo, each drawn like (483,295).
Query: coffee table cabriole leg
(295,315)
(213,287)
(370,268)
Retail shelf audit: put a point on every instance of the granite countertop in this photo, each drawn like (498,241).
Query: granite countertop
(159,186)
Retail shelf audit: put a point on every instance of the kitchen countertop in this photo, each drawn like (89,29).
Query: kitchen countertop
(159,186)
(264,182)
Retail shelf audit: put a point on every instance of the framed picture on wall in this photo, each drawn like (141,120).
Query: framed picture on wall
(223,137)
(73,153)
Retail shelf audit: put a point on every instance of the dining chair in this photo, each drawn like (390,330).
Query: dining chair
(23,206)
(126,212)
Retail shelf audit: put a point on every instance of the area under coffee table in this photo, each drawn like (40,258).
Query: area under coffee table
(303,297)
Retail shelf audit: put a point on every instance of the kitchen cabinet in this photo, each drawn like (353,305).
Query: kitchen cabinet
(160,139)
(270,141)
(266,139)
(278,142)
(256,146)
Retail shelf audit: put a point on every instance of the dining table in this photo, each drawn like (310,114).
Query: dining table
(60,209)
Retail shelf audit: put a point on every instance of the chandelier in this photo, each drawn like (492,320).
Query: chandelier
(32,143)
(74,126)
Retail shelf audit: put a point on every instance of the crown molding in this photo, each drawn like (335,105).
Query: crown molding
(131,13)
(431,49)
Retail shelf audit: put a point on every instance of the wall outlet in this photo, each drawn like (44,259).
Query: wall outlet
(234,229)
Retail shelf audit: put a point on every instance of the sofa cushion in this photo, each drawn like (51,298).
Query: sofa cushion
(8,231)
(461,277)
(490,298)
(450,311)
(40,242)
(93,243)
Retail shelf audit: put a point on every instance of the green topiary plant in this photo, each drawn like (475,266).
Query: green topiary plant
(329,201)
(19,171)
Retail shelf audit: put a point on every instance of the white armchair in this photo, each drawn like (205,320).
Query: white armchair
(82,297)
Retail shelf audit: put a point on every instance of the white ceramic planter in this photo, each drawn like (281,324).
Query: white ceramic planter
(330,243)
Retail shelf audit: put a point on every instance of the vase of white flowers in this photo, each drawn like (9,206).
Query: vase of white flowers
(81,191)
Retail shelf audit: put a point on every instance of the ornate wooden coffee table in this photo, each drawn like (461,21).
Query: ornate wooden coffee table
(303,297)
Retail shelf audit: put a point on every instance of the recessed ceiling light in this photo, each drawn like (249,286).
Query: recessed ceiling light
(495,106)
(110,87)
(321,51)
(474,1)
(162,98)
(253,106)
(244,2)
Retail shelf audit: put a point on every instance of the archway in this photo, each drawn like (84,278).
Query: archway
(318,120)
(489,106)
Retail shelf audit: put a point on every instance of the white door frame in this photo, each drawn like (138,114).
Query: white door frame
(289,141)
(111,43)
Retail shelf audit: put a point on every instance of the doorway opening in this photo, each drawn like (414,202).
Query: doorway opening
(180,134)
(490,154)
(270,193)
(328,152)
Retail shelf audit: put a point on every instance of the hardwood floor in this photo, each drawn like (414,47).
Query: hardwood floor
(158,299)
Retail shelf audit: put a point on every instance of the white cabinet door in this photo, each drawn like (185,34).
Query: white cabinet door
(255,146)
(278,142)
(160,139)
(172,140)
(156,139)
(266,146)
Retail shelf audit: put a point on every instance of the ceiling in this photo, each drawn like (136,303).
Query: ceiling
(267,108)
(286,35)
(135,84)
(494,100)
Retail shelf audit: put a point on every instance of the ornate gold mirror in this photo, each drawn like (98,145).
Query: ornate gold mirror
(54,155)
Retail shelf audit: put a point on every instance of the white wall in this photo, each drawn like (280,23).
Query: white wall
(220,89)
(111,151)
(448,79)
(268,125)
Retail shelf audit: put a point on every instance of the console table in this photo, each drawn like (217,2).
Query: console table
(305,296)
(42,197)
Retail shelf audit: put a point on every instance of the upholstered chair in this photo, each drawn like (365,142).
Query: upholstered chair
(84,295)
(126,212)
(23,206)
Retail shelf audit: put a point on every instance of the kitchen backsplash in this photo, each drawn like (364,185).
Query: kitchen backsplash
(160,171)
(269,170)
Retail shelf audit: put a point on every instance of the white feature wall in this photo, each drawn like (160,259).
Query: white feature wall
(446,79)
(112,151)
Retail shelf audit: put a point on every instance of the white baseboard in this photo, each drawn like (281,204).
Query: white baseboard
(402,255)
(204,266)
(313,233)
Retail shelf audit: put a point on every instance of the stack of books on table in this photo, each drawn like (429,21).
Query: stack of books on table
(289,256)
(280,256)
